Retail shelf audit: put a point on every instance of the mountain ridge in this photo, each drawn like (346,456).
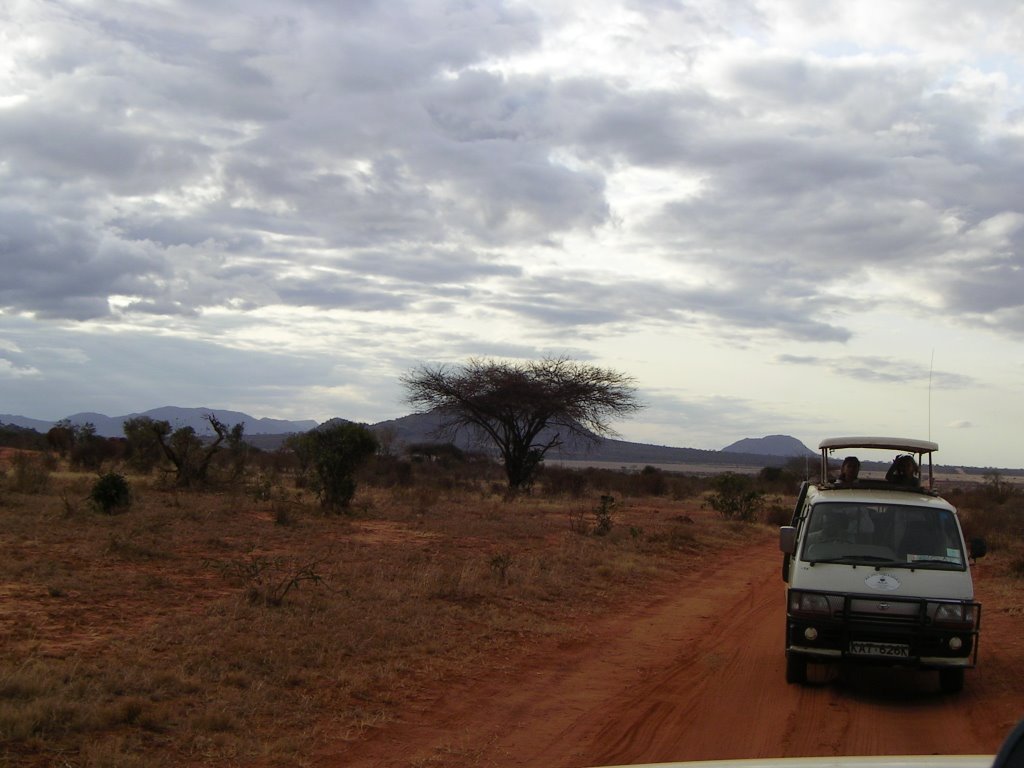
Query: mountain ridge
(269,434)
(176,416)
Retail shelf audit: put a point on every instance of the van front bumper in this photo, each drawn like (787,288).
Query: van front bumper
(893,631)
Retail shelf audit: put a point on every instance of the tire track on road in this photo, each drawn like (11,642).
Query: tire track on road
(699,674)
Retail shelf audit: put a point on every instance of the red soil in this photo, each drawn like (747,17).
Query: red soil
(697,673)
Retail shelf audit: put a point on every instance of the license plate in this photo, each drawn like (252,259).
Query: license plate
(893,650)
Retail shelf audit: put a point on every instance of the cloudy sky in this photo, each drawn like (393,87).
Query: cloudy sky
(779,216)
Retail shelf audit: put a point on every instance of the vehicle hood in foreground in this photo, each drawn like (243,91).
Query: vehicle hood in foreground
(898,761)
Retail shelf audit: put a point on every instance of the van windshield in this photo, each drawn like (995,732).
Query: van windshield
(894,535)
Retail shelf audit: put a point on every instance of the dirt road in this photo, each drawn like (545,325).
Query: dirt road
(697,673)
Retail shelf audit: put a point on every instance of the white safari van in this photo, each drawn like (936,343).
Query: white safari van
(876,566)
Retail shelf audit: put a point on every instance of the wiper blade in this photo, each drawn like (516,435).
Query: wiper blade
(932,561)
(856,559)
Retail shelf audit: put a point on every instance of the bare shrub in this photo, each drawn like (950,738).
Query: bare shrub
(282,513)
(684,487)
(500,563)
(129,547)
(652,482)
(682,536)
(268,580)
(559,481)
(30,473)
(1001,525)
(578,521)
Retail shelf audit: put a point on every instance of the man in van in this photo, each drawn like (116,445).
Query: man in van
(849,471)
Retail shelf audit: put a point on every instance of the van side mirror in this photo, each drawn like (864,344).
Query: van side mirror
(978,548)
(787,539)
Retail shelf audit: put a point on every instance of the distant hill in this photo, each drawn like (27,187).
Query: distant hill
(270,434)
(421,428)
(771,445)
(25,423)
(112,426)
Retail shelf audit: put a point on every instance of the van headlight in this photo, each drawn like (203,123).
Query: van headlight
(809,603)
(954,615)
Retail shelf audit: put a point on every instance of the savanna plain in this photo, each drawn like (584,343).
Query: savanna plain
(604,617)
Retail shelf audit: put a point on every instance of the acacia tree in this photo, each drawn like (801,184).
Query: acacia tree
(189,454)
(524,408)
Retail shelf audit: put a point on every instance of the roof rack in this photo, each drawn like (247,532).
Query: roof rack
(904,444)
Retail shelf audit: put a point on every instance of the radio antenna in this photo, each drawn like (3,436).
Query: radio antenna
(931,367)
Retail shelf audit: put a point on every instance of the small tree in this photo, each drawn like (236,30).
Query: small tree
(144,451)
(524,409)
(239,451)
(61,437)
(88,449)
(335,452)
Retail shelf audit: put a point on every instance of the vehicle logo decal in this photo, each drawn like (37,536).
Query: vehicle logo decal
(884,582)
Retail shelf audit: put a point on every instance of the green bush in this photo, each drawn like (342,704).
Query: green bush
(111,493)
(333,453)
(603,515)
(734,497)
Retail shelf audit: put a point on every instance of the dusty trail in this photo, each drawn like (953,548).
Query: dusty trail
(698,674)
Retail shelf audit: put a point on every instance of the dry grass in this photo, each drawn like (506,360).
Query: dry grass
(242,626)
(217,628)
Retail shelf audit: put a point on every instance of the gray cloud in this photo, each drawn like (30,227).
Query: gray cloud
(580,302)
(883,370)
(388,130)
(200,168)
(55,372)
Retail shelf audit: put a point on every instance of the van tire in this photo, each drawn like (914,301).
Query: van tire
(951,680)
(796,669)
